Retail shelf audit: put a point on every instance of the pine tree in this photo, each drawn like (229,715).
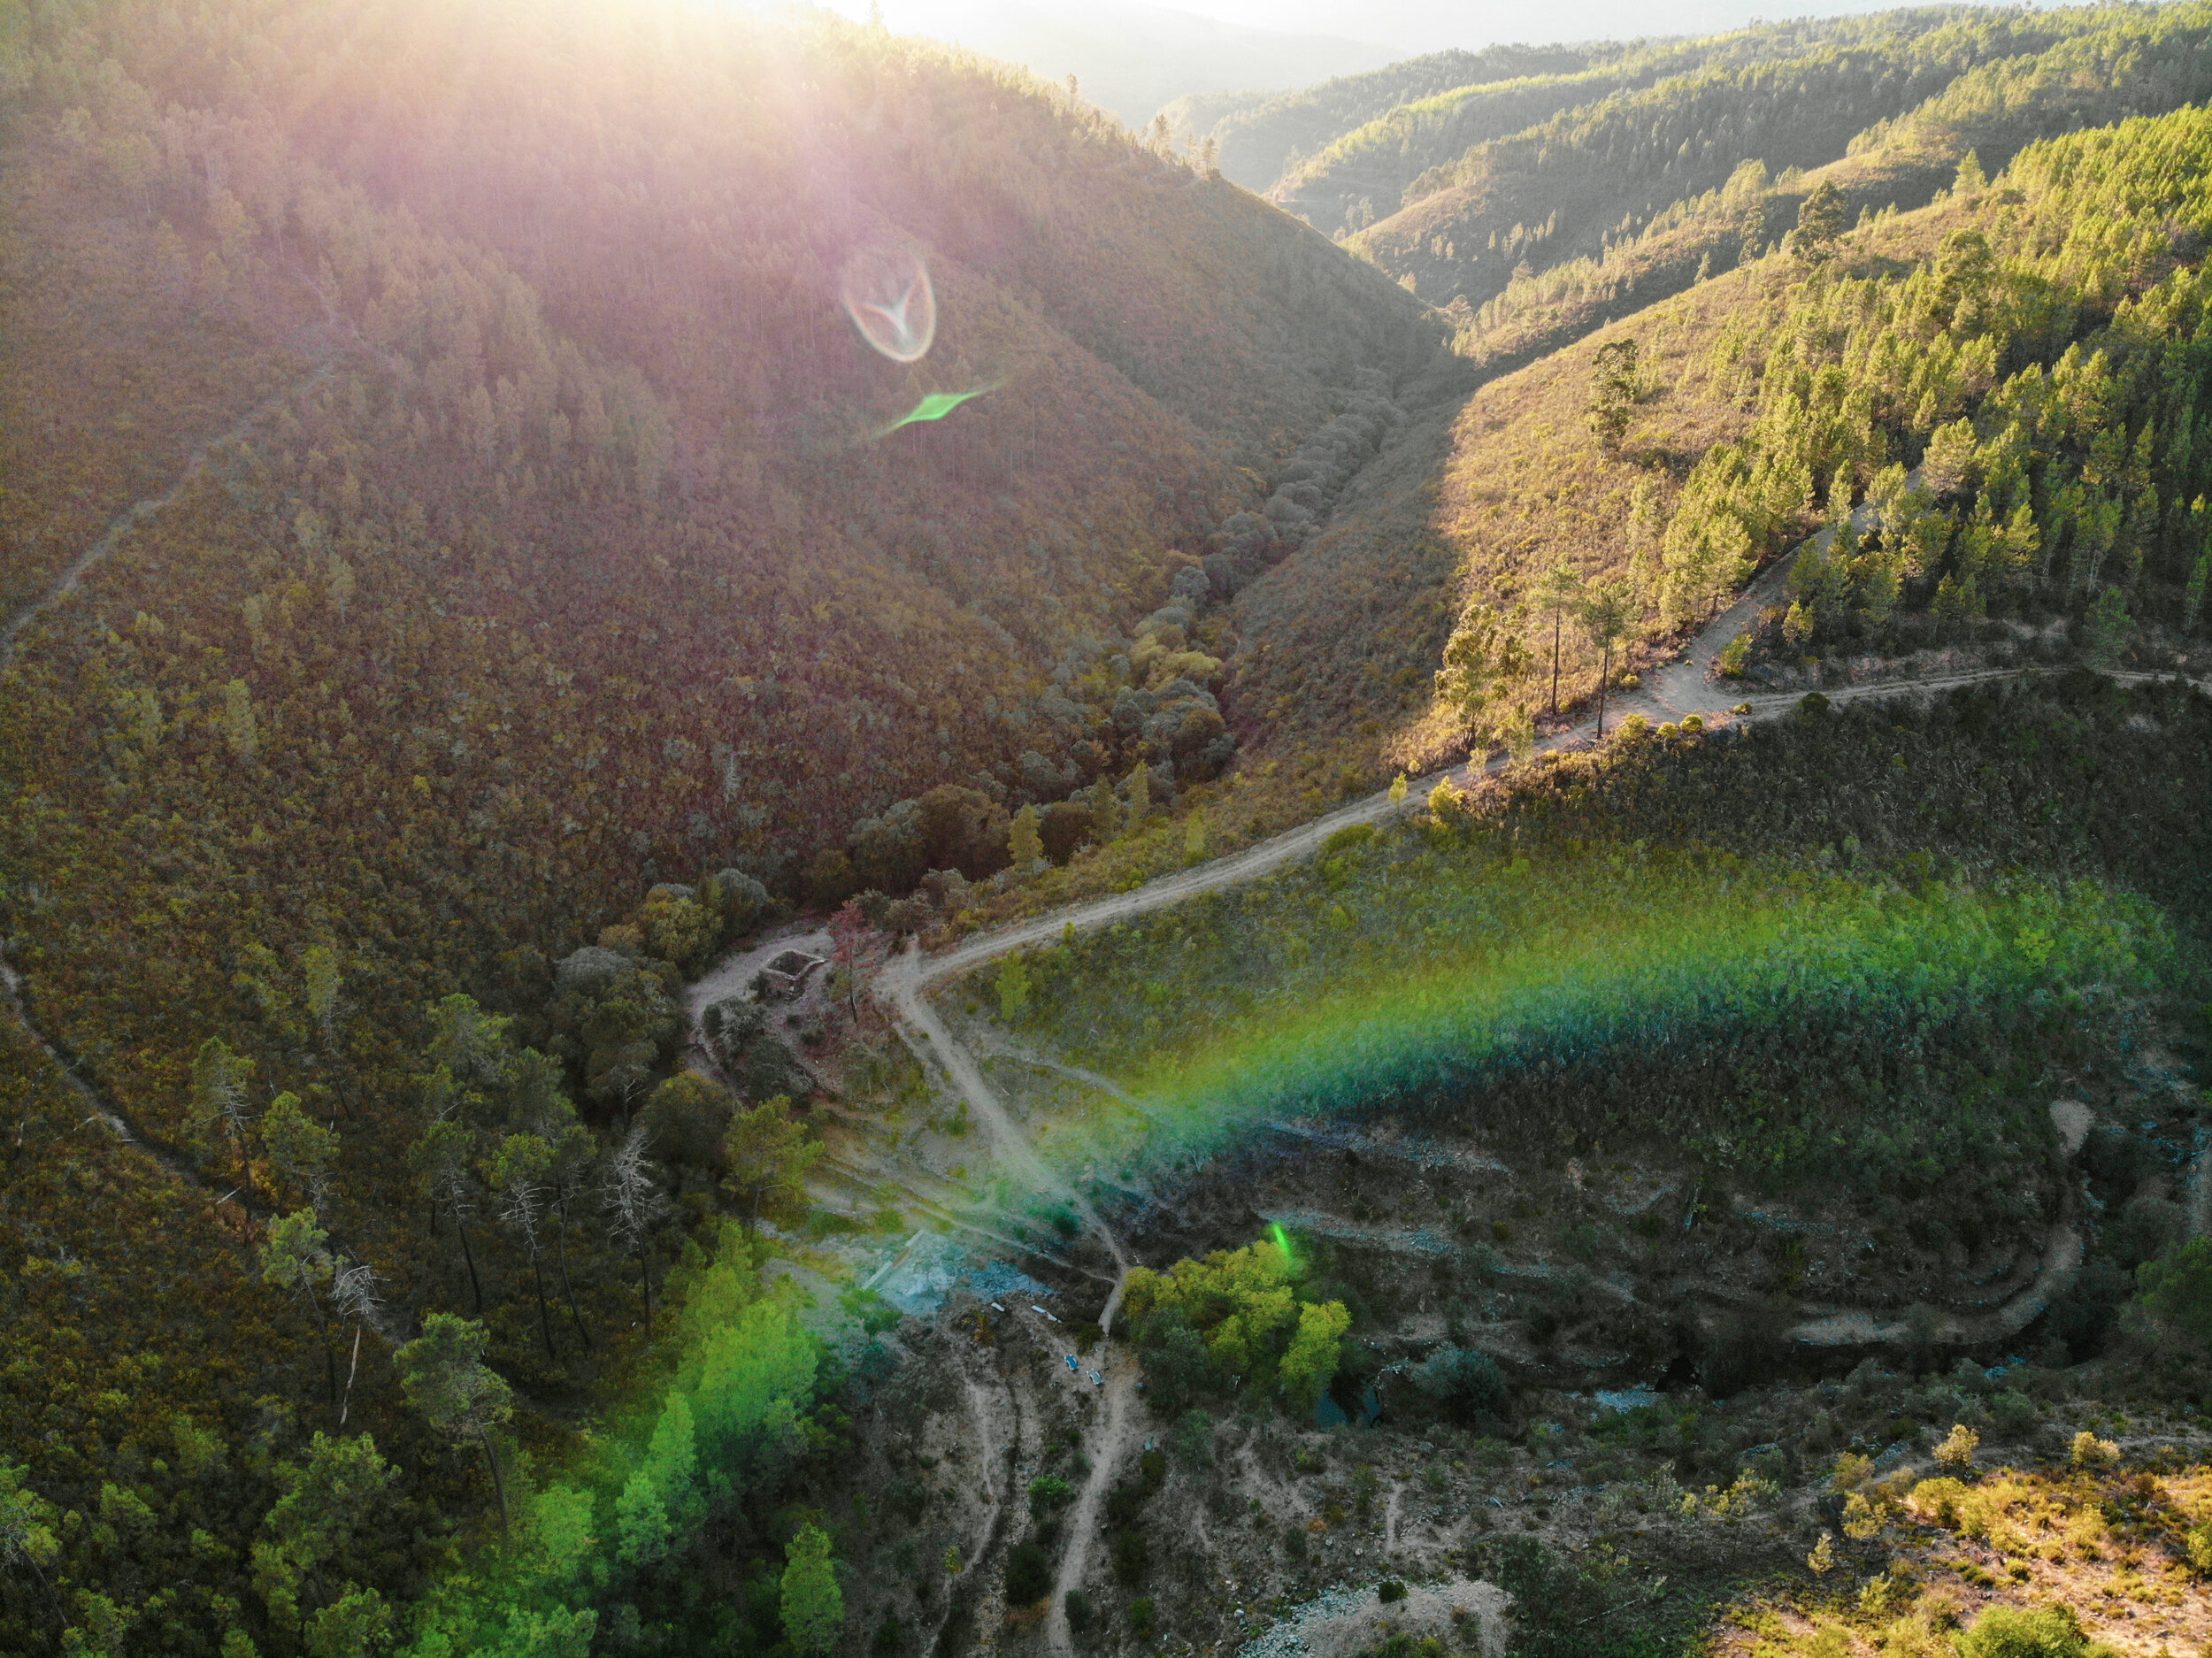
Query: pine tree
(633,1201)
(1615,386)
(813,1605)
(219,1095)
(303,1149)
(1605,617)
(770,1157)
(519,1175)
(297,1257)
(444,1377)
(1558,592)
(1820,223)
(1139,796)
(1024,844)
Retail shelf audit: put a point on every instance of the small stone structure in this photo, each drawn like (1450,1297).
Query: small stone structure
(787,975)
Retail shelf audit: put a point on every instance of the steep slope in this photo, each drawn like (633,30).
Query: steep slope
(560,548)
(1370,172)
(2138,64)
(1569,186)
(1771,394)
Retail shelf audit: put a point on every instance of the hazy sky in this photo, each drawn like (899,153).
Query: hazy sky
(1412,27)
(1420,26)
(1133,57)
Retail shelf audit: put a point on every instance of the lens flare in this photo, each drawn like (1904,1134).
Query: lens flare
(936,406)
(1685,976)
(887,294)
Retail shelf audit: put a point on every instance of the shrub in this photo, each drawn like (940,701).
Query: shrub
(1461,1383)
(1047,1491)
(2177,1292)
(1079,1610)
(1958,1450)
(1390,1590)
(2090,1451)
(1141,1615)
(1356,834)
(2201,1548)
(2005,1632)
(1936,1502)
(2011,1414)
(1131,1558)
(1194,1437)
(1028,1574)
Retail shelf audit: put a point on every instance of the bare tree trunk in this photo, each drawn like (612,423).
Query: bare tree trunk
(352,1370)
(469,1255)
(499,1484)
(545,1320)
(1555,616)
(568,1286)
(1605,672)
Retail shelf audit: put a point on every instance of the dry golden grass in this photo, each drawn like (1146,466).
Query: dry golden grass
(1342,642)
(2111,1542)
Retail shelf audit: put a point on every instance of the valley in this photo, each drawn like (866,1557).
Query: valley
(801,855)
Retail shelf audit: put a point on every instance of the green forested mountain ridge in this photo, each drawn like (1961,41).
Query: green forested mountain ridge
(2028,349)
(2136,63)
(1603,171)
(1260,137)
(559,549)
(1368,172)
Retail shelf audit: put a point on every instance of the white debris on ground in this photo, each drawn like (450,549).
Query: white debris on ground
(1612,1400)
(1343,1621)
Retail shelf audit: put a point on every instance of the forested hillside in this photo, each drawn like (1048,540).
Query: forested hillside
(1570,186)
(1366,173)
(2136,63)
(553,533)
(503,500)
(2004,384)
(1260,136)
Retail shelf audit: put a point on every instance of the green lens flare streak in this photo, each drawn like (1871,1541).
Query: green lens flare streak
(1598,970)
(936,406)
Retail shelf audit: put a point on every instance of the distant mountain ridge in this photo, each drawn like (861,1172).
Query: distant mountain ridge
(1263,135)
(1130,58)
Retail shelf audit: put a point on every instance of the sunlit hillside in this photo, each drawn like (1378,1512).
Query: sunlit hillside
(800,858)
(1763,399)
(553,533)
(1261,137)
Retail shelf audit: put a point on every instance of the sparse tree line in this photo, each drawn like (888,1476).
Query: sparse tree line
(2008,427)
(2073,484)
(2116,64)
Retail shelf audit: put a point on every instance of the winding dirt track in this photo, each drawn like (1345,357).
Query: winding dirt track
(139,511)
(172,1160)
(1670,692)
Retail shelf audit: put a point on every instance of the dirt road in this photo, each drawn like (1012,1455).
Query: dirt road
(1670,692)
(139,511)
(175,1161)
